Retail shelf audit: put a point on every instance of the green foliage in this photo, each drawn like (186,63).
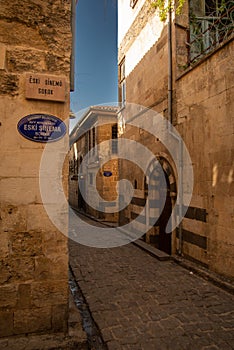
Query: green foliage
(222,6)
(164,6)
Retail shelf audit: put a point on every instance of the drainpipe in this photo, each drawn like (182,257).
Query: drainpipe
(170,72)
(170,118)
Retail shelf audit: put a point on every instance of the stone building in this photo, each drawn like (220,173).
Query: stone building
(35,52)
(182,68)
(94,164)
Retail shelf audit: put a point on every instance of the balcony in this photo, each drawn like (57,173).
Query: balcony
(209,31)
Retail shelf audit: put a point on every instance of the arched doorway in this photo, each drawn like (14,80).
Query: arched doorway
(161,199)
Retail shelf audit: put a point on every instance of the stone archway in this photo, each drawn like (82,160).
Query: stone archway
(159,189)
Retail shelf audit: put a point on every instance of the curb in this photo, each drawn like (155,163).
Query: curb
(206,274)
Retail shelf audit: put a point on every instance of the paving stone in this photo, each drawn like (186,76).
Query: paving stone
(170,323)
(107,335)
(181,317)
(139,302)
(133,347)
(114,345)
(153,344)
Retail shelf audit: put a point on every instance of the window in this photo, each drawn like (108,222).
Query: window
(211,22)
(123,92)
(122,70)
(90,144)
(122,83)
(94,140)
(94,137)
(75,166)
(213,7)
(114,138)
(80,165)
(86,142)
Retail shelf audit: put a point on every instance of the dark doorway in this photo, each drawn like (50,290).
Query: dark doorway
(164,241)
(161,191)
(81,201)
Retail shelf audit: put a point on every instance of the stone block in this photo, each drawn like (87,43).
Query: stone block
(56,63)
(26,243)
(8,296)
(224,234)
(50,267)
(37,219)
(19,34)
(32,320)
(9,84)
(6,323)
(4,247)
(17,268)
(221,257)
(195,252)
(22,13)
(23,164)
(5,275)
(59,318)
(24,60)
(13,218)
(195,226)
(24,296)
(20,191)
(2,56)
(229,77)
(48,293)
(52,239)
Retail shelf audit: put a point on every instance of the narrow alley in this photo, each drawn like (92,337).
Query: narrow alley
(139,302)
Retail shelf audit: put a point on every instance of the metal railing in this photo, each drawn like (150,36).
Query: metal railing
(206,33)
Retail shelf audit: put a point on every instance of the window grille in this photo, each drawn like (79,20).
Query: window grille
(211,23)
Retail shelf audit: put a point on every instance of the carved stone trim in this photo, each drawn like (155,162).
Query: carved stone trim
(143,17)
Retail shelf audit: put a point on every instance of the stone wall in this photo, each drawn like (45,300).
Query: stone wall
(35,37)
(105,186)
(202,113)
(147,84)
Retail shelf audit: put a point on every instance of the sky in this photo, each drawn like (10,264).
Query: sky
(96,54)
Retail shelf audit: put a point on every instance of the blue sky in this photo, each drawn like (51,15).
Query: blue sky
(96,54)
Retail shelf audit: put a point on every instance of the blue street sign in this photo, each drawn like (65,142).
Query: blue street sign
(107,173)
(42,128)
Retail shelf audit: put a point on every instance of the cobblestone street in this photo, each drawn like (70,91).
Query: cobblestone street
(139,302)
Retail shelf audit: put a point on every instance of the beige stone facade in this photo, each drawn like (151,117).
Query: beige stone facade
(94,140)
(35,38)
(202,112)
